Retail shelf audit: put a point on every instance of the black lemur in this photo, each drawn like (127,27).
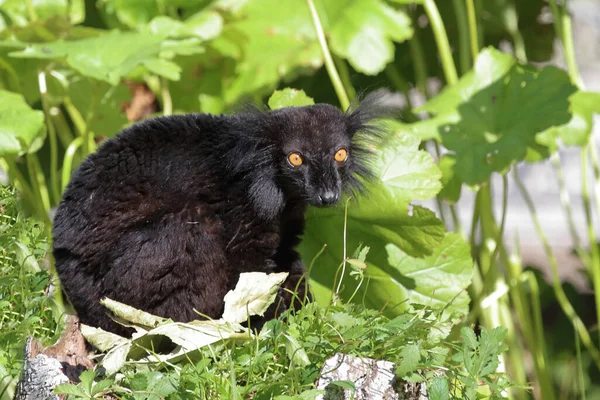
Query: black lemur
(166,215)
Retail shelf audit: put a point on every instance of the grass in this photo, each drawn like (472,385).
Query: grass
(25,309)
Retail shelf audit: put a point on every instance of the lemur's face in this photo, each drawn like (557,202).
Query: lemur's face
(316,157)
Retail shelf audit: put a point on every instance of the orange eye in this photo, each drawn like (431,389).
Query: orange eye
(295,159)
(341,155)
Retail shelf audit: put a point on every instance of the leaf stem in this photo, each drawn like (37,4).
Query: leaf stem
(344,71)
(565,200)
(337,291)
(595,265)
(68,161)
(441,38)
(329,64)
(39,187)
(563,26)
(473,35)
(464,56)
(556,285)
(31,10)
(54,184)
(167,101)
(420,66)
(512,20)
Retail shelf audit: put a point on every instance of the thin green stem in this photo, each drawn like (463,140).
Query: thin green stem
(464,56)
(556,285)
(564,198)
(541,353)
(512,21)
(75,115)
(499,237)
(564,29)
(579,367)
(596,169)
(68,161)
(329,64)
(39,187)
(585,194)
(337,291)
(419,64)
(87,137)
(167,101)
(54,184)
(344,71)
(473,35)
(31,10)
(63,130)
(441,38)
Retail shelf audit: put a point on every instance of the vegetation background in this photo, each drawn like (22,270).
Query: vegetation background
(480,99)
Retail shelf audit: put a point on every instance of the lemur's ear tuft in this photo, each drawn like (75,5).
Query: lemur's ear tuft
(364,114)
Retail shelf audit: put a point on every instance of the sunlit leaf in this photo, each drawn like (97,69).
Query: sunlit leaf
(364,32)
(99,58)
(22,129)
(253,294)
(492,116)
(289,98)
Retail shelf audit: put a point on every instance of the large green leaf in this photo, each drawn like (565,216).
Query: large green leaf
(278,41)
(492,116)
(364,32)
(383,217)
(22,129)
(101,58)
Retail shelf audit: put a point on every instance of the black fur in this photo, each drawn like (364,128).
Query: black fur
(165,216)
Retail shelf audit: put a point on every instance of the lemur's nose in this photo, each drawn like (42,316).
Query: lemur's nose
(329,197)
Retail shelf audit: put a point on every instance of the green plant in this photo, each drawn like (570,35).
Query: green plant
(25,309)
(65,86)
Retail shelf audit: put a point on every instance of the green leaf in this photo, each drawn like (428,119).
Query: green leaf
(490,66)
(71,390)
(452,186)
(578,130)
(278,41)
(295,351)
(439,390)
(22,129)
(381,218)
(481,357)
(99,58)
(439,280)
(364,32)
(410,356)
(492,116)
(289,98)
(205,25)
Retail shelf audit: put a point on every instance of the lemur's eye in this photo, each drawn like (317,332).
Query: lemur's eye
(341,155)
(295,159)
